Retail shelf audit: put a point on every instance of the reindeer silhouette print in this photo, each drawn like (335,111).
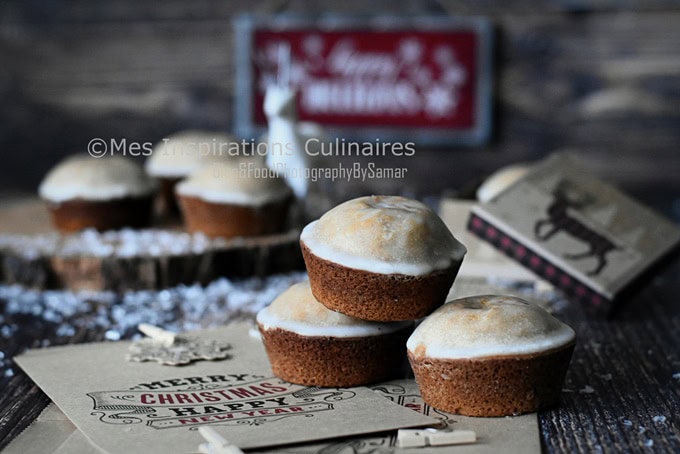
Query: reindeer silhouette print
(566,196)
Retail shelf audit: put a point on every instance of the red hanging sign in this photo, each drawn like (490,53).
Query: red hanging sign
(426,79)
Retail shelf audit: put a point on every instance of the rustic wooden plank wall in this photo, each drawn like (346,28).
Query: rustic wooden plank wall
(598,77)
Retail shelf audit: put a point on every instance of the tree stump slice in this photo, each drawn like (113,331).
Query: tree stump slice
(35,256)
(240,257)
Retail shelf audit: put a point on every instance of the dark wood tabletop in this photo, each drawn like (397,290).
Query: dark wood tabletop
(622,392)
(597,77)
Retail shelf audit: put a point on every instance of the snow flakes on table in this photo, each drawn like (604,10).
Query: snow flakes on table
(45,317)
(119,243)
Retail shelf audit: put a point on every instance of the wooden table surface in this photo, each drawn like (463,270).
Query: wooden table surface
(622,392)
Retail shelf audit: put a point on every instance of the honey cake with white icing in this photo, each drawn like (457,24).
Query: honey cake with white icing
(180,154)
(229,182)
(311,345)
(87,178)
(222,199)
(105,193)
(490,356)
(500,180)
(381,258)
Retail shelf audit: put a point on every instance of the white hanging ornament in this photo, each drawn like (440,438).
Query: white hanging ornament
(285,146)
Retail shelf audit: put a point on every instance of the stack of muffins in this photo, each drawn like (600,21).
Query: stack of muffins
(176,157)
(375,265)
(219,192)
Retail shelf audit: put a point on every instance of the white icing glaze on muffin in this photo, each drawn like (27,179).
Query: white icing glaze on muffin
(384,234)
(184,152)
(488,325)
(298,311)
(235,182)
(95,179)
(500,180)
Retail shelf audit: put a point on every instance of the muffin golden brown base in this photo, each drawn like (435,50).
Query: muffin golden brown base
(335,361)
(228,220)
(494,386)
(374,296)
(78,214)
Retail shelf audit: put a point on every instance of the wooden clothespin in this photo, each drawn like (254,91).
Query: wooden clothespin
(418,438)
(158,334)
(216,444)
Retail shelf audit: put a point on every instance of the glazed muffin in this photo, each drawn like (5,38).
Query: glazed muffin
(176,156)
(309,344)
(381,258)
(103,193)
(490,356)
(221,199)
(500,180)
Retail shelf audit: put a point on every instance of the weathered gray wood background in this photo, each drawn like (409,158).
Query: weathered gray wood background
(599,77)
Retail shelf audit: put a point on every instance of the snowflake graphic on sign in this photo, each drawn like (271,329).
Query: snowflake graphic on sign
(410,51)
(440,100)
(440,95)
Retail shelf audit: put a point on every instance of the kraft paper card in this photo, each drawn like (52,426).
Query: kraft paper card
(517,434)
(133,407)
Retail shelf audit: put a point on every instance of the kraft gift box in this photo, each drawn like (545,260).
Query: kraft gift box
(579,233)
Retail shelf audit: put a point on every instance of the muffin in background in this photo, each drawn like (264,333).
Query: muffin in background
(176,156)
(309,344)
(500,180)
(490,356)
(105,193)
(381,258)
(235,198)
